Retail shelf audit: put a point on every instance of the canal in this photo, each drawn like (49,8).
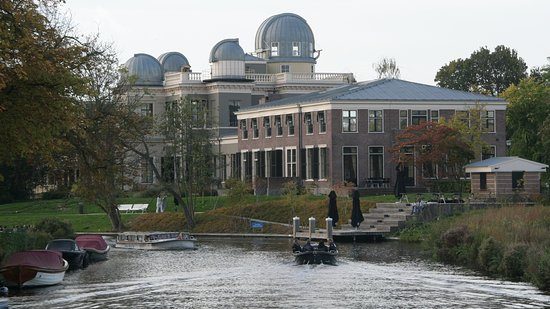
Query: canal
(261,273)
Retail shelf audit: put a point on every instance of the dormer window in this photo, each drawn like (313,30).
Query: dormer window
(274,49)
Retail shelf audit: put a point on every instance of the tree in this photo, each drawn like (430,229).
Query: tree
(434,145)
(105,117)
(387,68)
(40,64)
(469,124)
(484,72)
(528,118)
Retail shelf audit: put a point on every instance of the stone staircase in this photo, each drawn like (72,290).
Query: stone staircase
(386,217)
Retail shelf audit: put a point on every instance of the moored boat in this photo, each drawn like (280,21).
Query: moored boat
(71,252)
(34,268)
(95,246)
(156,240)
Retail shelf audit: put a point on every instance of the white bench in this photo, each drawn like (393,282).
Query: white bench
(140,207)
(133,207)
(125,207)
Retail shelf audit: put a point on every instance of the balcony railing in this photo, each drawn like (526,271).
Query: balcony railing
(279,78)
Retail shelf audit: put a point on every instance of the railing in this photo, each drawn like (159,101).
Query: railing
(279,78)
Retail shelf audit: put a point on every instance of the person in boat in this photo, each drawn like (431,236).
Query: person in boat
(331,246)
(296,246)
(321,246)
(307,246)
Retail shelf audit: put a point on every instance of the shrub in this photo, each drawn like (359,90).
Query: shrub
(56,194)
(237,189)
(55,227)
(514,261)
(453,246)
(490,255)
(542,276)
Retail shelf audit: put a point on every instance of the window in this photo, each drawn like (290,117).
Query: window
(267,126)
(323,163)
(296,49)
(376,162)
(403,119)
(349,121)
(309,123)
(429,170)
(517,180)
(482,181)
(309,163)
(146,172)
(234,107)
(290,124)
(274,49)
(244,129)
(276,162)
(350,164)
(147,109)
(291,163)
(311,51)
(418,117)
(279,125)
(434,116)
(488,152)
(255,131)
(488,121)
(285,68)
(375,121)
(322,122)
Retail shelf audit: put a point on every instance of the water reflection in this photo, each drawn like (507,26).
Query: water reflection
(260,273)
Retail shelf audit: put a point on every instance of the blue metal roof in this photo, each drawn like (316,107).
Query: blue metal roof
(286,29)
(387,89)
(227,50)
(146,68)
(491,161)
(173,61)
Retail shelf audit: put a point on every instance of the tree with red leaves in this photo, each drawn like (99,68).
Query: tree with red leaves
(434,145)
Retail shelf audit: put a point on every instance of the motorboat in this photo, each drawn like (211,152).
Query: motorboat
(71,252)
(34,268)
(95,246)
(156,240)
(315,253)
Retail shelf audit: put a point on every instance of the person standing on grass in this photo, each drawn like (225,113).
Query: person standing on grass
(159,202)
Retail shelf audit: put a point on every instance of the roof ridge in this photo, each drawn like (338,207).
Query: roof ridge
(448,89)
(364,85)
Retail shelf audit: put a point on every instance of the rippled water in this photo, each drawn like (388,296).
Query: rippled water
(260,273)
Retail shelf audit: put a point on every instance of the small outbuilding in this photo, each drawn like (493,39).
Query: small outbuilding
(504,176)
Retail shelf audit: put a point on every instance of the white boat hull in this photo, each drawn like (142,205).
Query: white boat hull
(44,279)
(168,244)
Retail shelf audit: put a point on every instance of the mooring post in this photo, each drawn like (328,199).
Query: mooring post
(295,226)
(311,226)
(329,229)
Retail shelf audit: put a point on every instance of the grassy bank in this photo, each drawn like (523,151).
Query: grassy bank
(509,242)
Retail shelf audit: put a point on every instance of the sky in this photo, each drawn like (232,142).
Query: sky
(420,35)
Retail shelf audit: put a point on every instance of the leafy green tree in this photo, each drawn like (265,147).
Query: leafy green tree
(484,71)
(528,119)
(387,68)
(40,62)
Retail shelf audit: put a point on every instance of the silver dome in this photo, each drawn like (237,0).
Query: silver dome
(227,50)
(288,30)
(173,62)
(146,69)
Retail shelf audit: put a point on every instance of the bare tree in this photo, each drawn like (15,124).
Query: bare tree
(387,68)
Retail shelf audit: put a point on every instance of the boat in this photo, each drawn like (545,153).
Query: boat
(156,240)
(315,253)
(95,246)
(71,252)
(34,268)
